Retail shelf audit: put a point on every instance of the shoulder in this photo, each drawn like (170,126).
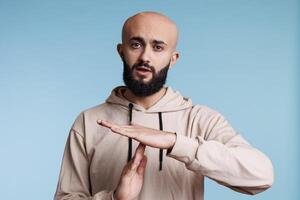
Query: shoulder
(88,116)
(205,111)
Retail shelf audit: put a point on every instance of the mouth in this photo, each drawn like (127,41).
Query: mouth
(143,69)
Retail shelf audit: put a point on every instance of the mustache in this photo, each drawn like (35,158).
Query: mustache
(143,64)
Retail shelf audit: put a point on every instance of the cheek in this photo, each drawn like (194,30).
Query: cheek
(162,62)
(131,58)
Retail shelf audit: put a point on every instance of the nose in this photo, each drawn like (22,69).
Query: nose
(146,54)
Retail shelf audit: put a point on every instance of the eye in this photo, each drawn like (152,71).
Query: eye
(135,45)
(158,48)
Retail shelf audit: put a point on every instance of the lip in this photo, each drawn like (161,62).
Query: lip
(142,68)
(143,71)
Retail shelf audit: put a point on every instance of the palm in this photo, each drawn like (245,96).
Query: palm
(131,187)
(148,136)
(132,177)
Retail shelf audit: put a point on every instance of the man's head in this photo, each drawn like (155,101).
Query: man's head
(148,50)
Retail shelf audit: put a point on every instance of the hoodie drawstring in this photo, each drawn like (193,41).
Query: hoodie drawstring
(130,140)
(160,150)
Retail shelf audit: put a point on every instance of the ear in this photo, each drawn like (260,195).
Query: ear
(174,58)
(120,50)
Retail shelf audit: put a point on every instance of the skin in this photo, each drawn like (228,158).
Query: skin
(132,177)
(149,37)
(152,38)
(148,136)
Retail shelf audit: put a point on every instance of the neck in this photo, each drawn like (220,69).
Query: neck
(145,102)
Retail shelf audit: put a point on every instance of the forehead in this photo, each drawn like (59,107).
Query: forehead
(150,28)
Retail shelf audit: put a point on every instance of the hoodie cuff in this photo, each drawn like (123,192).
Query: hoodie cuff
(104,195)
(113,196)
(184,149)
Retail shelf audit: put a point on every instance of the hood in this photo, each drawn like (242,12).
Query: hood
(170,102)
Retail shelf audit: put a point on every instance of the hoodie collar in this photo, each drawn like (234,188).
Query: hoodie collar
(171,101)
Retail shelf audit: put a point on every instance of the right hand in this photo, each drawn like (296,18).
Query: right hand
(131,181)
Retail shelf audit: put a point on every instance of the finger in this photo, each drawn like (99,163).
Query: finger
(140,149)
(113,127)
(117,129)
(127,126)
(105,123)
(138,156)
(142,166)
(125,131)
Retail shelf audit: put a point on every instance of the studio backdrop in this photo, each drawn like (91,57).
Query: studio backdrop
(58,58)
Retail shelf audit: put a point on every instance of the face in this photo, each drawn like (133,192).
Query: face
(137,86)
(147,51)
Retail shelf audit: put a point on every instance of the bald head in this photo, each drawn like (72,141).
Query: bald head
(154,25)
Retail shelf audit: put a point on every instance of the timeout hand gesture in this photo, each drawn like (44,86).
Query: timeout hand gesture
(147,136)
(132,177)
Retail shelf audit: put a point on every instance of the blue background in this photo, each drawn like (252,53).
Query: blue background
(58,58)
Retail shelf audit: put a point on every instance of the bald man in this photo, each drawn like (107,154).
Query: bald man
(147,141)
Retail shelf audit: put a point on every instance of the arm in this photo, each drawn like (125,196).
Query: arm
(74,176)
(219,153)
(224,156)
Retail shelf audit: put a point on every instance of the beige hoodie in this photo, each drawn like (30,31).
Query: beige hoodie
(206,145)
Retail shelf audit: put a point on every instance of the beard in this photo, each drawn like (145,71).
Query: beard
(139,87)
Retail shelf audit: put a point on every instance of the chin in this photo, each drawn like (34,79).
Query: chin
(143,79)
(146,80)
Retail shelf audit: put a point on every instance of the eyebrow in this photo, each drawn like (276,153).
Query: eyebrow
(137,38)
(141,40)
(159,42)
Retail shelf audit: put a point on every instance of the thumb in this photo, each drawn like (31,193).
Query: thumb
(142,166)
(138,157)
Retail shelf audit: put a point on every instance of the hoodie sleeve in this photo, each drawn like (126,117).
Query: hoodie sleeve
(224,156)
(74,179)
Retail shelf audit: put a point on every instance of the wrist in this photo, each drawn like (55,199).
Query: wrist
(173,137)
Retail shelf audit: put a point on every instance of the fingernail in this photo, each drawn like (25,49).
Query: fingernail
(99,121)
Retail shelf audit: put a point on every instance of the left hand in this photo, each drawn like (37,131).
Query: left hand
(132,177)
(147,136)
